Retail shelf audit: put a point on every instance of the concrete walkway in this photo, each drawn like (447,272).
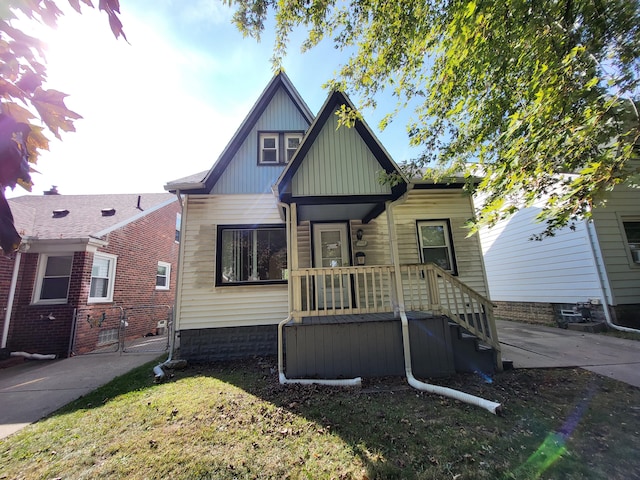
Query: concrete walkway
(536,346)
(34,389)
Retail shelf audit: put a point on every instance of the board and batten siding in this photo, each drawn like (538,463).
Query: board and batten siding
(338,163)
(559,269)
(244,175)
(202,304)
(624,275)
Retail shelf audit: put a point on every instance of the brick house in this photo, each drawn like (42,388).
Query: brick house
(89,254)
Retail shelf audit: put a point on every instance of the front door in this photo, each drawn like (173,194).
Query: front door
(331,250)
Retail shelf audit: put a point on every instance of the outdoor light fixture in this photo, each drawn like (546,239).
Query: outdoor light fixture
(360,258)
(359,234)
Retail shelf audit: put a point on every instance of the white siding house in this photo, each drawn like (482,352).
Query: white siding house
(593,263)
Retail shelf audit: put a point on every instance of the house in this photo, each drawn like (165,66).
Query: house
(590,271)
(292,245)
(84,260)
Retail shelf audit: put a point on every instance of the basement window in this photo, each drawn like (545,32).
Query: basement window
(251,255)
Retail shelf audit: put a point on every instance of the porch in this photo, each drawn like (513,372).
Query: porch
(346,321)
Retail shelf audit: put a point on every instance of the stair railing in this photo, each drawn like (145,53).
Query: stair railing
(428,287)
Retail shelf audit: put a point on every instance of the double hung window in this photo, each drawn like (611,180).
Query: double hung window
(251,255)
(277,147)
(54,273)
(163,276)
(436,244)
(102,278)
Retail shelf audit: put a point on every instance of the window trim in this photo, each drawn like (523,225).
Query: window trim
(285,150)
(281,138)
(43,260)
(261,137)
(111,276)
(627,244)
(218,266)
(446,223)
(167,276)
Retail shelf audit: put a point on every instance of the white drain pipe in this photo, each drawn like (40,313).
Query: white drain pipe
(349,382)
(601,272)
(10,299)
(493,407)
(34,356)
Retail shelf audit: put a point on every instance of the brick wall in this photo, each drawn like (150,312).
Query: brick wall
(31,329)
(139,246)
(530,312)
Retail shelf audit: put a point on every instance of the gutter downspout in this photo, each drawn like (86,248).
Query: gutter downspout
(12,294)
(492,407)
(158,371)
(600,272)
(351,382)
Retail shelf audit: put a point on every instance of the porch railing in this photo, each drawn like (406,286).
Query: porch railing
(372,289)
(343,291)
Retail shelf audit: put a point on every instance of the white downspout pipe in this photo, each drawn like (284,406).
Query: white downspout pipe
(600,272)
(158,371)
(492,407)
(12,294)
(350,382)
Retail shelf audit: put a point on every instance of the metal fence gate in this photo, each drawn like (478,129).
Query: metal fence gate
(107,329)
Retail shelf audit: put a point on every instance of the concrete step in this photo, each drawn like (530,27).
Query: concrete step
(591,327)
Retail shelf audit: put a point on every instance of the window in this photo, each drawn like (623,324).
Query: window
(102,278)
(251,255)
(269,148)
(277,147)
(178,225)
(291,142)
(163,276)
(436,244)
(54,273)
(632,231)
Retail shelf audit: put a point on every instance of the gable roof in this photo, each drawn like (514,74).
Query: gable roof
(205,184)
(333,102)
(53,217)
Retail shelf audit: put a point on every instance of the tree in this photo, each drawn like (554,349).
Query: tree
(524,91)
(25,105)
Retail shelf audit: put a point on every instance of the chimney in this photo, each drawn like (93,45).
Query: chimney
(53,191)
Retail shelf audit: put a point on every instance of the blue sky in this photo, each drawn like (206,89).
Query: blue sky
(165,105)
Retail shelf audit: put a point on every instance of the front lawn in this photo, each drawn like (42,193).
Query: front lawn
(235,421)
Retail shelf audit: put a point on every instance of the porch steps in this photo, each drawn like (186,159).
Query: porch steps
(470,354)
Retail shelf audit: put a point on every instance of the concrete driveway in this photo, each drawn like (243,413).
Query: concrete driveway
(535,346)
(35,389)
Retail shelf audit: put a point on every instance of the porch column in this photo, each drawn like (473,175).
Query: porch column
(395,255)
(294,263)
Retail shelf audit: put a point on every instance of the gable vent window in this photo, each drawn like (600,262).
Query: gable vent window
(277,147)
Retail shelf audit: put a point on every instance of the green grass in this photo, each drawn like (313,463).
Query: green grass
(235,421)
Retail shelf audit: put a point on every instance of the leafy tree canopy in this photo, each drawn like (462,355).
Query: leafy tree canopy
(27,108)
(524,91)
